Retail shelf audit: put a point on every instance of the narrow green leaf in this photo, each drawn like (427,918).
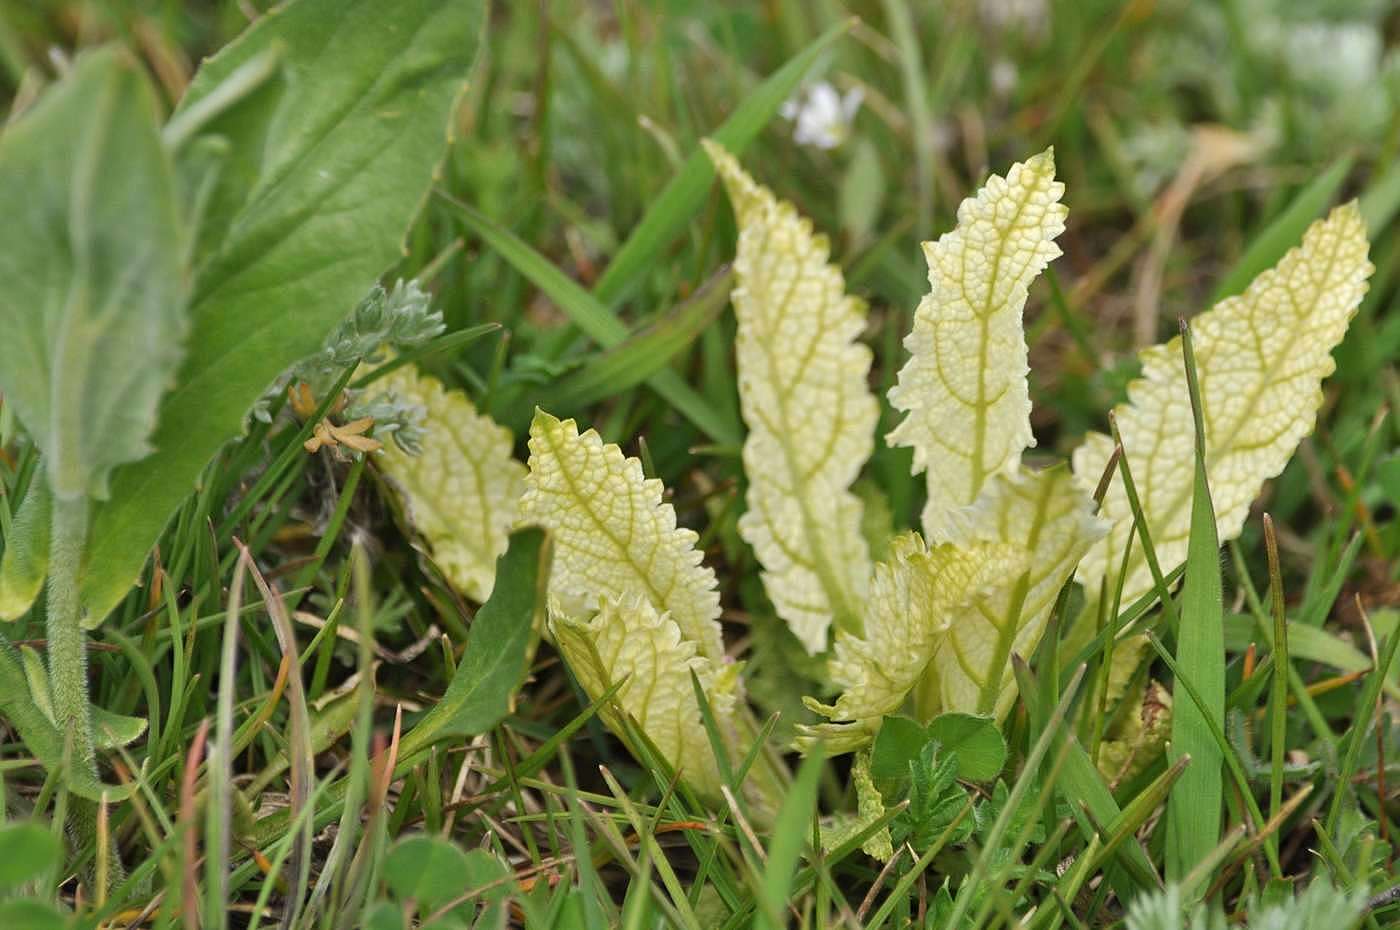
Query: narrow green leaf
(1090,799)
(1196,801)
(649,349)
(1367,704)
(26,558)
(675,205)
(790,834)
(494,663)
(320,180)
(1266,248)
(93,309)
(598,322)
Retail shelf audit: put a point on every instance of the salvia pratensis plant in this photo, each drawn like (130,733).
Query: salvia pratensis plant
(932,628)
(175,280)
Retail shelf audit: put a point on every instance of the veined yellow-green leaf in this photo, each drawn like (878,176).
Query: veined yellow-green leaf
(613,534)
(1133,743)
(914,595)
(1046,518)
(870,807)
(628,640)
(963,390)
(810,413)
(1261,359)
(462,491)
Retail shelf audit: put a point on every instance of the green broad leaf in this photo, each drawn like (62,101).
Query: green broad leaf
(1266,248)
(384,915)
(976,741)
(39,735)
(93,309)
(1195,803)
(27,851)
(327,162)
(649,349)
(426,869)
(26,559)
(494,663)
(675,206)
(896,745)
(28,914)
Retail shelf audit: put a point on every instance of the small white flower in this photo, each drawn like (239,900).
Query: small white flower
(1004,77)
(822,116)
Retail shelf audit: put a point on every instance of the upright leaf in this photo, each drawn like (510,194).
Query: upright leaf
(630,603)
(495,660)
(463,489)
(809,410)
(614,534)
(326,164)
(963,390)
(1261,357)
(914,595)
(628,641)
(93,308)
(1050,522)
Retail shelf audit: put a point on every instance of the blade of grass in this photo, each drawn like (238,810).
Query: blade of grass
(1286,230)
(649,349)
(598,322)
(1361,721)
(1278,700)
(675,205)
(1194,807)
(790,831)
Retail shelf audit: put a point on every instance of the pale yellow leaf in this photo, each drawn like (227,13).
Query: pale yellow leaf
(1261,358)
(462,492)
(627,640)
(870,807)
(963,390)
(914,596)
(613,533)
(1139,735)
(810,413)
(1051,523)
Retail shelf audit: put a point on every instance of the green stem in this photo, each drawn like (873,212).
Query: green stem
(68,686)
(67,643)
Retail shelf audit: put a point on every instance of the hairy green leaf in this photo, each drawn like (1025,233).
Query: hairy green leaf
(93,309)
(26,558)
